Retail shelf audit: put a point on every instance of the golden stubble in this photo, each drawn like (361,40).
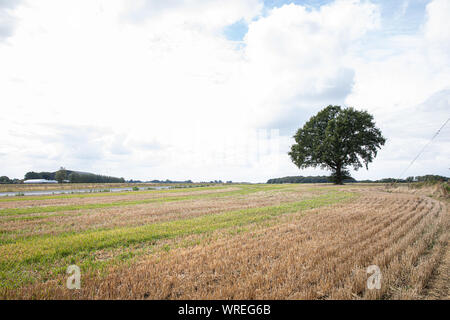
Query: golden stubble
(140,214)
(317,254)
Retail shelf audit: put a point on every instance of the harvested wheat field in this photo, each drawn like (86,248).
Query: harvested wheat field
(228,242)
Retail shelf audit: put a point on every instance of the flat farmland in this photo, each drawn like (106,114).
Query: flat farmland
(256,241)
(67,186)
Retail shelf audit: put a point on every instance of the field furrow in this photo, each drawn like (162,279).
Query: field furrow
(267,243)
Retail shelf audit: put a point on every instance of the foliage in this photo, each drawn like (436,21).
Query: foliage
(335,139)
(33,175)
(78,177)
(61,175)
(170,181)
(5,179)
(73,177)
(301,179)
(431,178)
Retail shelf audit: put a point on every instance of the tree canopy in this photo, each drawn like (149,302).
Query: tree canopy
(61,175)
(77,177)
(5,179)
(335,139)
(73,177)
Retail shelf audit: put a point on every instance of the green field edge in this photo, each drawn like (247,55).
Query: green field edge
(96,194)
(43,253)
(47,209)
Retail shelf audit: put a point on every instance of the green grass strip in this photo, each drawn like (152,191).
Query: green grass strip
(49,249)
(46,209)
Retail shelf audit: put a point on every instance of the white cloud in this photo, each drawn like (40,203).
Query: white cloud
(7,18)
(152,89)
(408,92)
(204,14)
(298,59)
(437,27)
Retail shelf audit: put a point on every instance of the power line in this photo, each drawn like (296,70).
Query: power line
(423,149)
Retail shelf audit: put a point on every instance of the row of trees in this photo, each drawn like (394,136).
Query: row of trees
(40,175)
(324,179)
(425,178)
(169,181)
(5,179)
(186,181)
(428,178)
(309,179)
(75,177)
(72,176)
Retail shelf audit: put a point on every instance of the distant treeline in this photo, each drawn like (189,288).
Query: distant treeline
(84,177)
(325,179)
(5,179)
(425,178)
(169,181)
(40,175)
(186,181)
(76,177)
(309,179)
(73,177)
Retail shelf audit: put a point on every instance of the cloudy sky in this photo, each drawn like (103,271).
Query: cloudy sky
(215,89)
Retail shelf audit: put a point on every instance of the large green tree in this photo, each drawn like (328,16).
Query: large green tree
(335,139)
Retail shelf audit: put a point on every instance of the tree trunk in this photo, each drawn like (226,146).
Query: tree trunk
(338,179)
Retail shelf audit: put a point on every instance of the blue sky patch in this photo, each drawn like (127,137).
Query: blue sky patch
(236,31)
(398,17)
